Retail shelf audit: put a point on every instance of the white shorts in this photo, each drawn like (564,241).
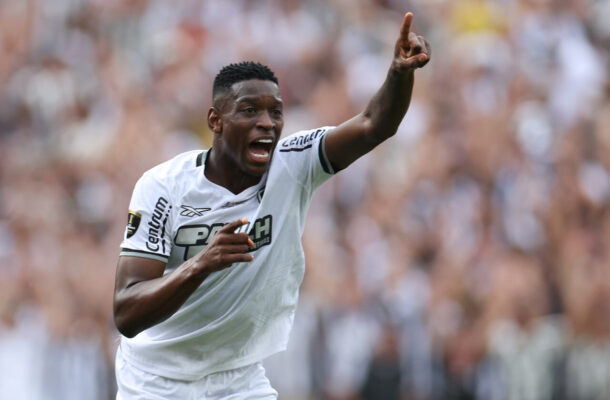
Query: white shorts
(247,382)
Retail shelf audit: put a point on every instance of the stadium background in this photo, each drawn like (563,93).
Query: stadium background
(467,258)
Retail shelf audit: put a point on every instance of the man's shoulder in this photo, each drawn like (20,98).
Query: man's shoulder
(301,140)
(176,168)
(297,154)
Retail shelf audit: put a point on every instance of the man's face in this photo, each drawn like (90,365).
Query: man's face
(252,119)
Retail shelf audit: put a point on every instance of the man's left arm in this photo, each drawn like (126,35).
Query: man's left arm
(379,121)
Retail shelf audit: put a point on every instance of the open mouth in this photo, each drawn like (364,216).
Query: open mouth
(260,149)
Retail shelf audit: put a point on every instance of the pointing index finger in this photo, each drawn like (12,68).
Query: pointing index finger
(406,25)
(232,226)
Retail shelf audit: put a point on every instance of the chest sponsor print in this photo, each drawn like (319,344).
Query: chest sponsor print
(194,238)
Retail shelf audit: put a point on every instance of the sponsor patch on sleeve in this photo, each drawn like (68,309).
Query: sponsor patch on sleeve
(133,222)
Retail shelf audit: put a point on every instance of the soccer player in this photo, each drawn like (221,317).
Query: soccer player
(208,276)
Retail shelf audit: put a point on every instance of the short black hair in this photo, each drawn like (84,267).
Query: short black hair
(242,71)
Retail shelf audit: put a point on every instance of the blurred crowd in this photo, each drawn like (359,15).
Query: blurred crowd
(466,258)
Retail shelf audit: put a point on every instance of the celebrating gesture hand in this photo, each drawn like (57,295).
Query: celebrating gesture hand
(226,247)
(411,51)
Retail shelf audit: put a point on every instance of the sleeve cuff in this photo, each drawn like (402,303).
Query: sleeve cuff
(143,254)
(326,165)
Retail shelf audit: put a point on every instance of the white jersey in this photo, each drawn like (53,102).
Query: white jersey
(244,313)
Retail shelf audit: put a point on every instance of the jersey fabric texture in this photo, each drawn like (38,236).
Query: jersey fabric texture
(247,382)
(244,313)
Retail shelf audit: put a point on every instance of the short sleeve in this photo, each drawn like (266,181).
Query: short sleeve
(147,234)
(304,155)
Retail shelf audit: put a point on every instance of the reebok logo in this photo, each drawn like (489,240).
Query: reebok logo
(190,211)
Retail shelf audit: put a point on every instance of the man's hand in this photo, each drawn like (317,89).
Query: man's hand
(384,112)
(411,51)
(226,248)
(145,296)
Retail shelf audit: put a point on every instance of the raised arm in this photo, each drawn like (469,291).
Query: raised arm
(143,296)
(359,135)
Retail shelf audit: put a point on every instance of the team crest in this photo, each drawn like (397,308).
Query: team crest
(133,222)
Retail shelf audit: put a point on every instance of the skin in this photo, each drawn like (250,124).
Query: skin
(251,110)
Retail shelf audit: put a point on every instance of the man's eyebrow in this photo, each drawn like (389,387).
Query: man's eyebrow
(253,98)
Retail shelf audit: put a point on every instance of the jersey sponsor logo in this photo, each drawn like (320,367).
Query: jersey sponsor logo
(156,225)
(195,237)
(190,211)
(300,143)
(133,222)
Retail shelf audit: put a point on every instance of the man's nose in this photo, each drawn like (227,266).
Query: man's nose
(265,121)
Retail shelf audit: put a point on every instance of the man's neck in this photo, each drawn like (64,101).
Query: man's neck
(226,174)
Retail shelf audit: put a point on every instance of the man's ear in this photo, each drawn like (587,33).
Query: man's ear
(214,120)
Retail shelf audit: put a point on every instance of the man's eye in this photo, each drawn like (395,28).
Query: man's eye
(277,113)
(249,110)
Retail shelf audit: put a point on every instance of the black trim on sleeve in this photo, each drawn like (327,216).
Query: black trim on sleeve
(125,249)
(326,166)
(199,161)
(296,148)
